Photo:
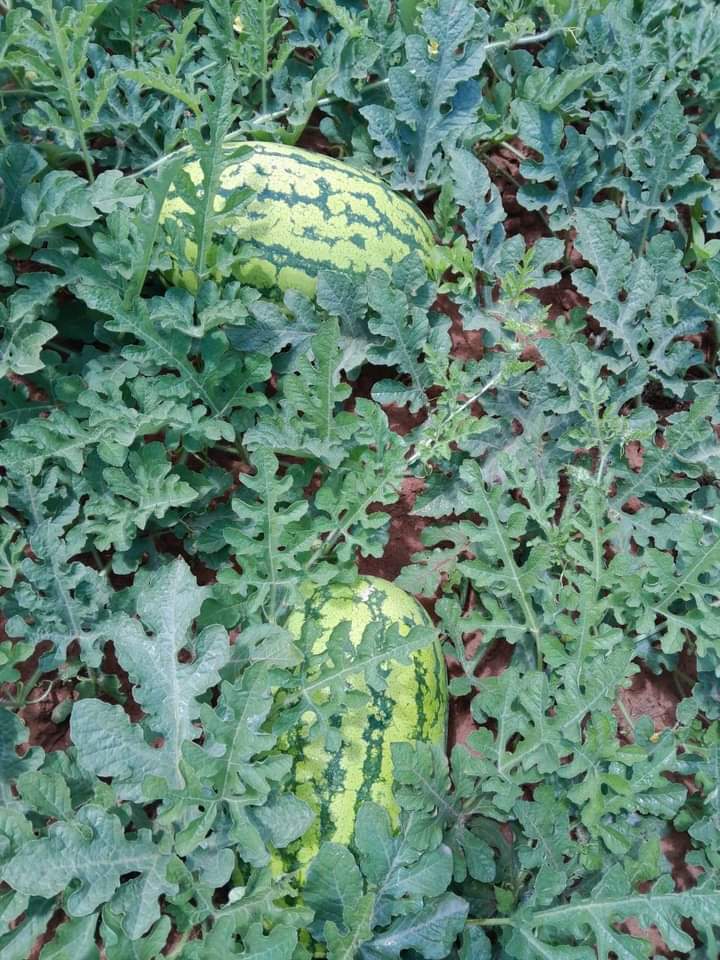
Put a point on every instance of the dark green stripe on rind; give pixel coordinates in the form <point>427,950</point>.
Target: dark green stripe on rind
<point>374,735</point>
<point>420,700</point>
<point>413,706</point>
<point>334,781</point>
<point>322,162</point>
<point>309,212</point>
<point>253,212</point>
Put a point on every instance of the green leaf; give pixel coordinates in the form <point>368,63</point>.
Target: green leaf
<point>664,171</point>
<point>401,873</point>
<point>159,80</point>
<point>349,497</point>
<point>277,944</point>
<point>407,331</point>
<point>269,539</point>
<point>343,946</point>
<point>55,49</point>
<point>435,95</point>
<point>19,166</point>
<point>333,886</point>
<point>13,733</point>
<point>483,213</point>
<point>110,745</point>
<point>620,289</point>
<point>505,524</point>
<point>309,420</point>
<point>233,778</point>
<point>266,899</point>
<point>432,931</point>
<point>549,88</point>
<point>18,943</point>
<point>92,850</point>
<point>422,787</point>
<point>569,160</point>
<point>145,489</point>
<point>260,27</point>
<point>24,336</point>
<point>270,329</point>
<point>118,946</point>
<point>613,900</point>
<point>73,940</point>
<point>167,601</point>
<point>56,598</point>
<point>46,793</point>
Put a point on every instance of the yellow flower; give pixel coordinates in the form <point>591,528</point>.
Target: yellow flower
<point>238,25</point>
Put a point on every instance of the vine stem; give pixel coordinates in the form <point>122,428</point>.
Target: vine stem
<point>27,686</point>
<point>239,135</point>
<point>527,40</point>
<point>521,156</point>
<point>492,922</point>
<point>476,396</point>
<point>73,103</point>
<point>626,716</point>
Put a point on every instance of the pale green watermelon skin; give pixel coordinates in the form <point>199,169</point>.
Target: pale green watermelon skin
<point>414,706</point>
<point>308,212</point>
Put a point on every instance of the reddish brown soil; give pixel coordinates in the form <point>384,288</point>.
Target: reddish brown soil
<point>404,534</point>
<point>652,695</point>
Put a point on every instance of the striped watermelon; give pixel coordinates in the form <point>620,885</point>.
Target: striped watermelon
<point>308,211</point>
<point>413,706</point>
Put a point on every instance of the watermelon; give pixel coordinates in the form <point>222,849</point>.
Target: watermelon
<point>413,706</point>
<point>308,212</point>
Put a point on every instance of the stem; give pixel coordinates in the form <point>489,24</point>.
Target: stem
<point>646,228</point>
<point>132,25</point>
<point>508,146</point>
<point>69,82</point>
<point>526,40</point>
<point>492,922</point>
<point>27,686</point>
<point>43,696</point>
<point>502,171</point>
<point>626,716</point>
<point>31,682</point>
<point>266,60</point>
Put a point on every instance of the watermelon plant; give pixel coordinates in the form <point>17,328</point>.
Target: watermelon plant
<point>359,471</point>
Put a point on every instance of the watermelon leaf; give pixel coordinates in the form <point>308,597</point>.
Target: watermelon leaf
<point>434,95</point>
<point>167,602</point>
